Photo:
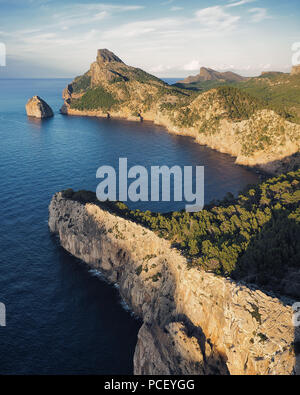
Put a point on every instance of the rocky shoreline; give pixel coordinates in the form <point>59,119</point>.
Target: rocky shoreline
<point>225,142</point>
<point>223,119</point>
<point>193,321</point>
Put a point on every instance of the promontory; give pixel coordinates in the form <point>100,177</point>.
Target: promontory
<point>259,132</point>
<point>215,289</point>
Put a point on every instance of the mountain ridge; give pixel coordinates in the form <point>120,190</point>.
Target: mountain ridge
<point>224,118</point>
<point>208,74</point>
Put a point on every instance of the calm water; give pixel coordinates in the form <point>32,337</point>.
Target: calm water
<point>61,318</point>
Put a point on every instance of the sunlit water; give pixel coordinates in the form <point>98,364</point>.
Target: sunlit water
<point>61,318</point>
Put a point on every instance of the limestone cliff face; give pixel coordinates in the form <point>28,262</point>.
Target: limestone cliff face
<point>296,70</point>
<point>264,139</point>
<point>38,108</point>
<point>194,322</point>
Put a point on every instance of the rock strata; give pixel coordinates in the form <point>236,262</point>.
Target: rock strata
<point>38,108</point>
<point>193,322</point>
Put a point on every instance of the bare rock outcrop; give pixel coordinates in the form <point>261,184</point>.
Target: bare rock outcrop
<point>38,108</point>
<point>295,70</point>
<point>106,56</point>
<point>194,322</point>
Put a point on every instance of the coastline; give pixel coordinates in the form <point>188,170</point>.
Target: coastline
<point>175,302</point>
<point>283,164</point>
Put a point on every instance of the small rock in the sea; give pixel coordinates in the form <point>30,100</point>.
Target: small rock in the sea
<point>38,108</point>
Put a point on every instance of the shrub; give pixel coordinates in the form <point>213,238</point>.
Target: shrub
<point>93,99</point>
<point>81,83</point>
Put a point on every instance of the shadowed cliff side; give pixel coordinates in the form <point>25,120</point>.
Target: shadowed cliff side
<point>194,321</point>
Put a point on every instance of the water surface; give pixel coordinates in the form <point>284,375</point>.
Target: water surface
<point>61,318</point>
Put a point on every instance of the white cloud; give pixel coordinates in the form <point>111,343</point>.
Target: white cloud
<point>81,19</point>
<point>265,66</point>
<point>192,66</point>
<point>83,14</point>
<point>167,2</point>
<point>176,9</point>
<point>234,3</point>
<point>72,34</point>
<point>160,68</point>
<point>217,18</point>
<point>137,29</point>
<point>259,14</point>
<point>209,21</point>
<point>106,7</point>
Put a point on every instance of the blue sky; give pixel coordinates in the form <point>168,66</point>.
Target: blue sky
<point>169,38</point>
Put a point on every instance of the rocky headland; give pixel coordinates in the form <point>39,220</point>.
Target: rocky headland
<point>223,118</point>
<point>38,108</point>
<point>194,322</point>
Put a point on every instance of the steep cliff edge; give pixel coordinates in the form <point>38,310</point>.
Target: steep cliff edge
<point>194,322</point>
<point>225,119</point>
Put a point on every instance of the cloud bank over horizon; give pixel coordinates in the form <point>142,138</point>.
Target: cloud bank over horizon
<point>171,38</point>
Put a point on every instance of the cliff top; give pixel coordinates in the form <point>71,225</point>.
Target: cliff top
<point>199,233</point>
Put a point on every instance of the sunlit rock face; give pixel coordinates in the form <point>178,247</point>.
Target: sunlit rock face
<point>193,322</point>
<point>38,108</point>
<point>296,70</point>
<point>223,118</point>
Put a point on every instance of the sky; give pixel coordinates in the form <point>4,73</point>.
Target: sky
<point>168,38</point>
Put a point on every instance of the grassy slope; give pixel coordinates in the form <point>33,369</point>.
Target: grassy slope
<point>278,91</point>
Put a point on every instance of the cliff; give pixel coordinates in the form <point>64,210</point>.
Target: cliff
<point>225,119</point>
<point>193,322</point>
<point>38,108</point>
<point>295,70</point>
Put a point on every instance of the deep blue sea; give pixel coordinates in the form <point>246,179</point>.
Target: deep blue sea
<point>61,317</point>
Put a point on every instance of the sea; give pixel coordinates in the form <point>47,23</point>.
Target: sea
<point>62,317</point>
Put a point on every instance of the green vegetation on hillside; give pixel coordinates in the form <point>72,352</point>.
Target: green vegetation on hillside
<point>139,75</point>
<point>93,99</point>
<point>255,237</point>
<point>202,86</point>
<point>277,91</point>
<point>81,83</point>
<point>240,105</point>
